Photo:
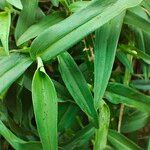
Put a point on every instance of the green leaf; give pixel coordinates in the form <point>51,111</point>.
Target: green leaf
<point>121,142</point>
<point>77,86</point>
<point>141,84</point>
<point>68,117</point>
<point>16,3</point>
<point>39,27</point>
<point>76,6</point>
<point>101,133</point>
<point>136,53</point>
<point>124,60</point>
<point>105,49</point>
<point>135,121</point>
<point>3,4</point>
<point>80,138</point>
<point>45,107</point>
<point>137,17</point>
<point>16,142</point>
<point>12,67</point>
<point>119,93</point>
<point>68,32</point>
<point>55,2</point>
<point>26,17</point>
<point>5,19</point>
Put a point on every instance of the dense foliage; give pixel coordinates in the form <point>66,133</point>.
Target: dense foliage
<point>74,74</point>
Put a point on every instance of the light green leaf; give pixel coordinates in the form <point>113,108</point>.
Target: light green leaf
<point>16,3</point>
<point>138,18</point>
<point>55,2</point>
<point>119,93</point>
<point>105,49</point>
<point>77,86</point>
<point>5,19</point>
<point>45,107</point>
<point>101,133</point>
<point>26,17</point>
<point>12,67</point>
<point>120,142</point>
<point>39,27</point>
<point>68,32</point>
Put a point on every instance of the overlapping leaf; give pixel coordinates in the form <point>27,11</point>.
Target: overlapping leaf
<point>26,17</point>
<point>12,67</point>
<point>65,34</point>
<point>119,93</point>
<point>105,49</point>
<point>77,86</point>
<point>39,27</point>
<point>5,19</point>
<point>16,3</point>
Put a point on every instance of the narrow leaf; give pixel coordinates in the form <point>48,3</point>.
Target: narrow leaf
<point>5,19</point>
<point>16,142</point>
<point>121,142</point>
<point>26,17</point>
<point>39,27</point>
<point>45,107</point>
<point>47,45</point>
<point>119,93</point>
<point>105,49</point>
<point>77,86</point>
<point>12,67</point>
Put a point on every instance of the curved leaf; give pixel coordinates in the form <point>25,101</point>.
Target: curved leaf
<point>12,67</point>
<point>45,108</point>
<point>77,86</point>
<point>65,34</point>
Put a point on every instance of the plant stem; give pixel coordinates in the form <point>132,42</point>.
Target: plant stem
<point>127,78</point>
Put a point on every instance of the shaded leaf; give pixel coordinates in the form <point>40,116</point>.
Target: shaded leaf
<point>77,86</point>
<point>121,142</point>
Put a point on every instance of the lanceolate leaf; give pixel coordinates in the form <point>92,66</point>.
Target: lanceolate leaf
<point>138,18</point>
<point>119,93</point>
<point>12,67</point>
<point>101,133</point>
<point>121,142</point>
<point>135,121</point>
<point>80,138</point>
<point>68,32</point>
<point>105,48</point>
<point>26,17</point>
<point>39,27</point>
<point>5,19</point>
<point>141,84</point>
<point>77,86</point>
<point>45,107</point>
<point>16,3</point>
<point>16,142</point>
